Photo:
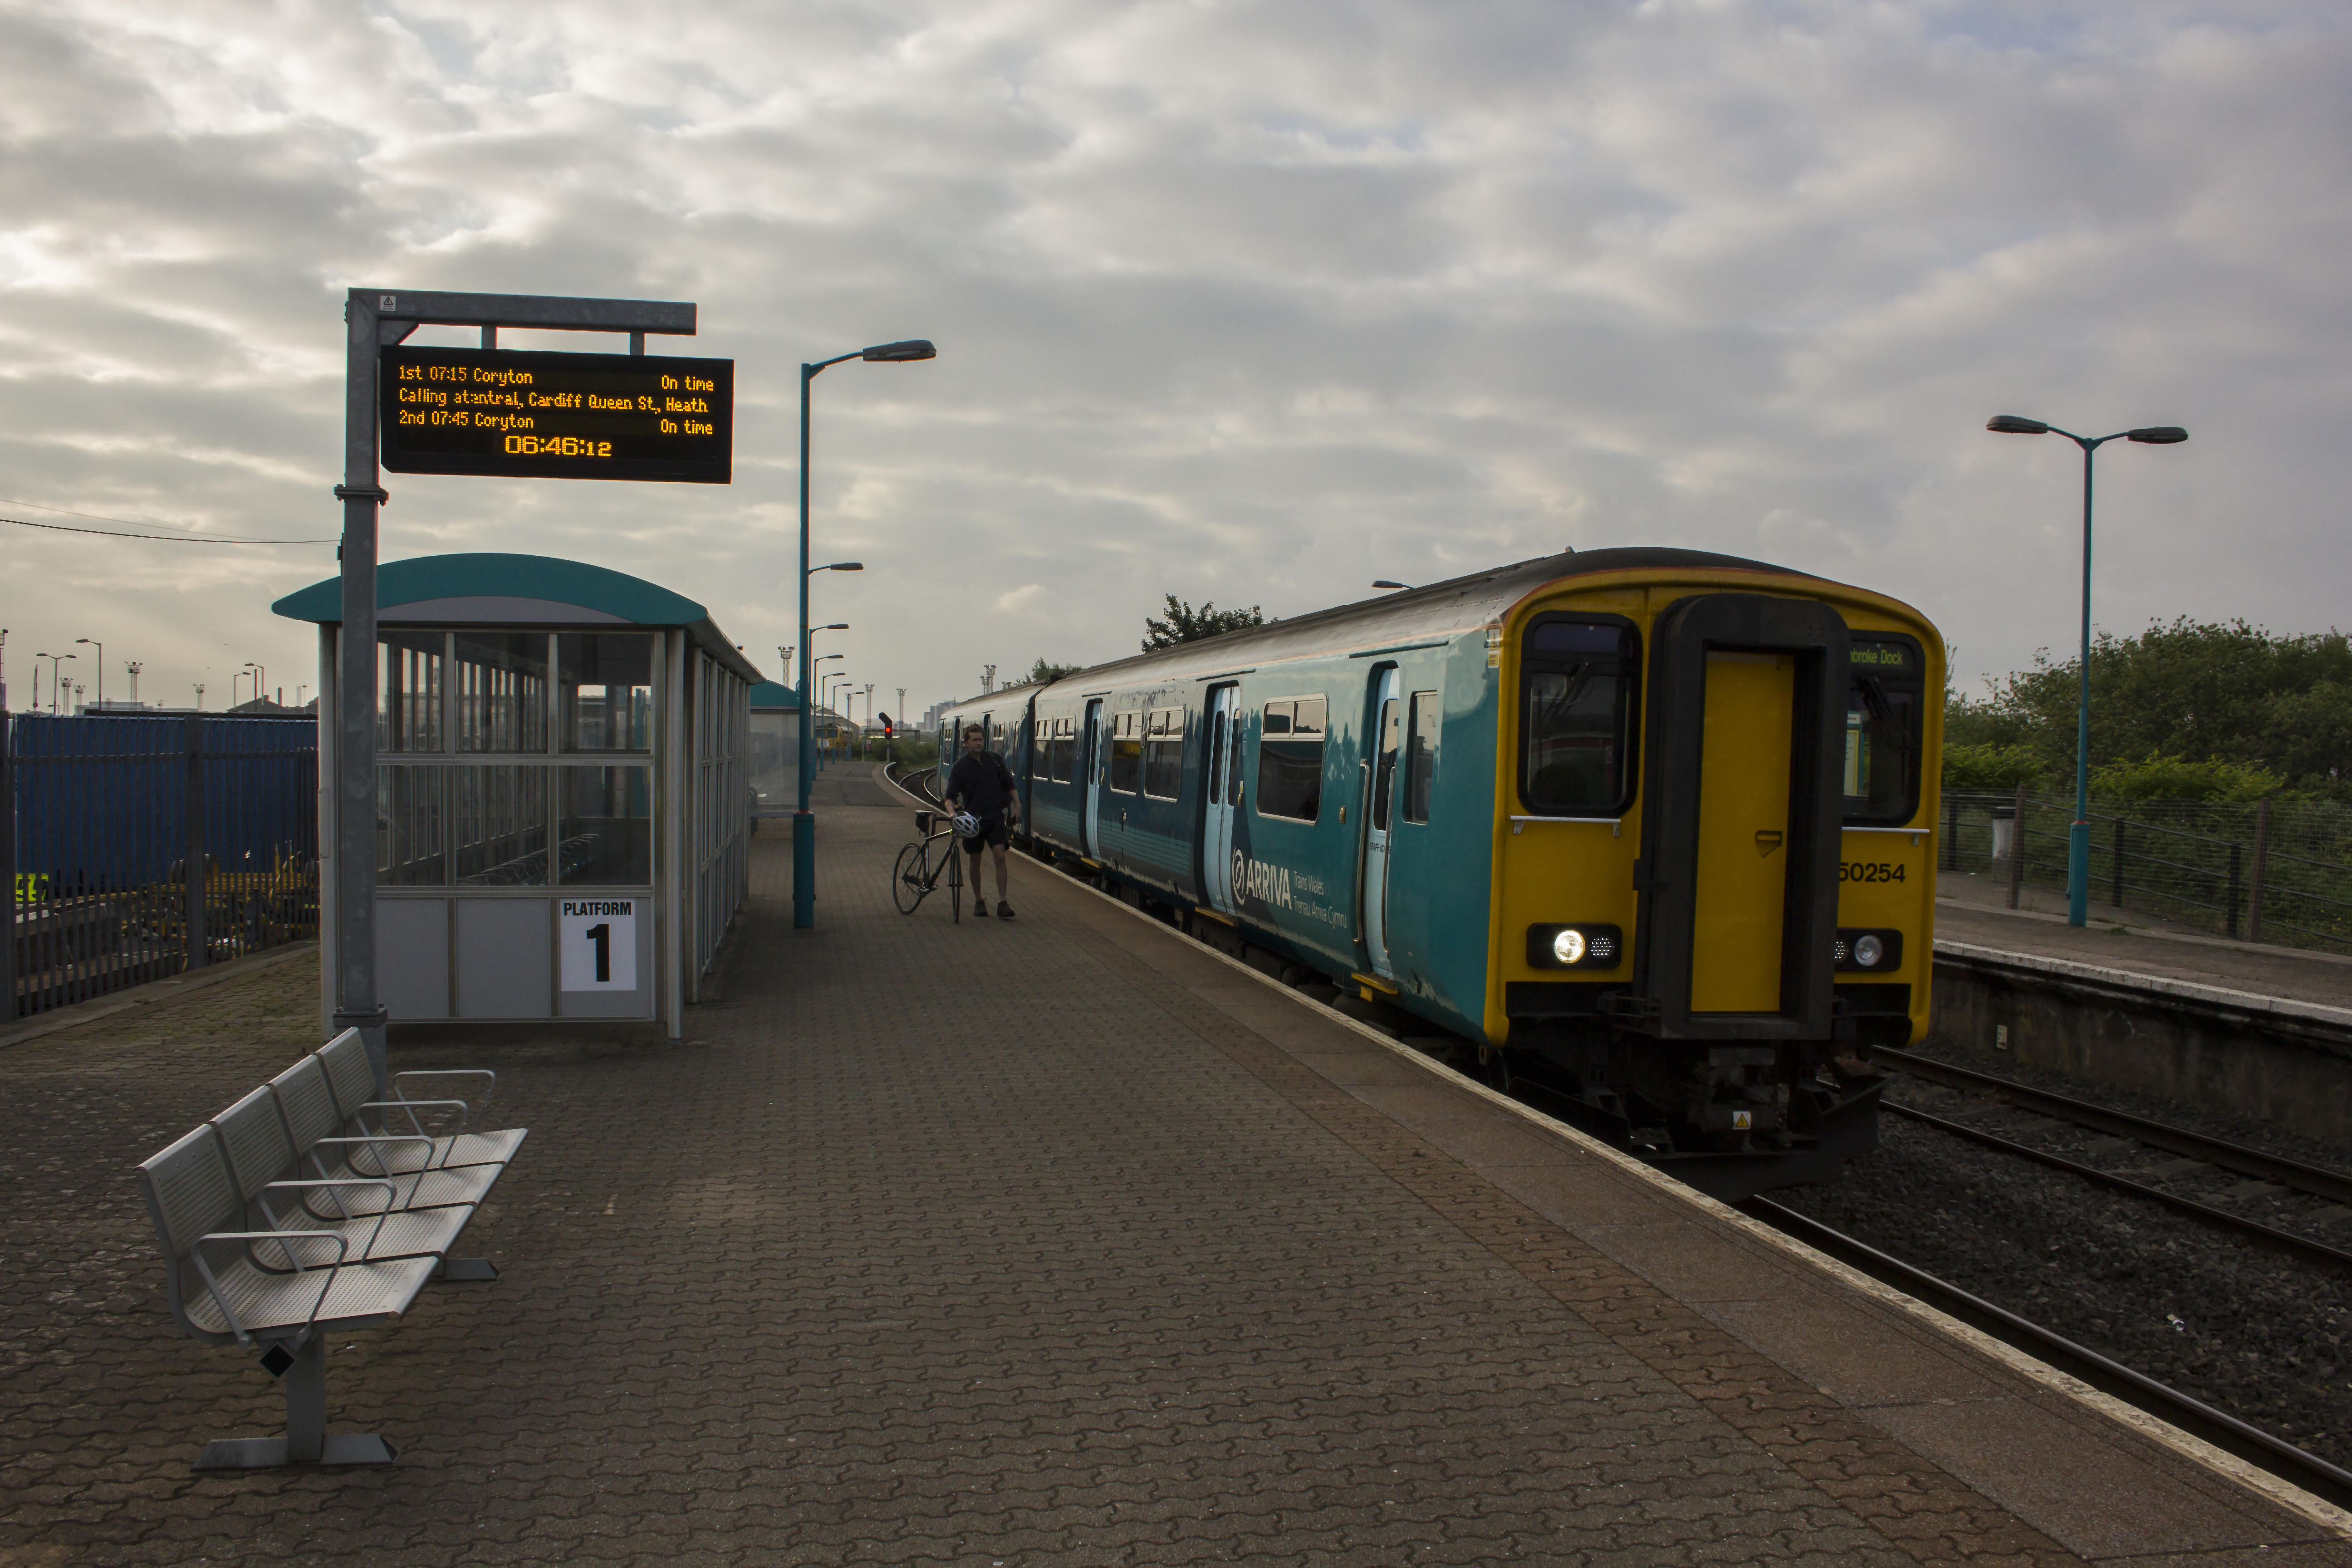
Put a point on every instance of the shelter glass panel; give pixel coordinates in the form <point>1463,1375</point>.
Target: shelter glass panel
<point>605,834</point>
<point>408,691</point>
<point>501,681</point>
<point>412,847</point>
<point>1576,689</point>
<point>501,815</point>
<point>606,681</point>
<point>1290,758</point>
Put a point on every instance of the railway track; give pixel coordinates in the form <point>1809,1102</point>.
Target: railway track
<point>2222,1430</point>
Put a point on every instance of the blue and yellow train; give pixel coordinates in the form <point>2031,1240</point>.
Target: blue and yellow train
<point>1651,829</point>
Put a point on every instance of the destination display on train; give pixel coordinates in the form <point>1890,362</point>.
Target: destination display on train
<point>525,413</point>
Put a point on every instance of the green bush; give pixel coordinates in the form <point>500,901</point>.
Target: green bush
<point>1989,767</point>
<point>2157,777</point>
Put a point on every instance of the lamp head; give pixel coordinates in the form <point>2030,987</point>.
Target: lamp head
<point>836,627</point>
<point>1384,582</point>
<point>846,566</point>
<point>2158,434</point>
<point>898,354</point>
<point>82,640</point>
<point>2011,425</point>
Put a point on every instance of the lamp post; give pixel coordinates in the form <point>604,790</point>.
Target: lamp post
<point>257,674</point>
<point>803,821</point>
<point>820,698</point>
<point>2078,838</point>
<point>93,642</point>
<point>56,677</point>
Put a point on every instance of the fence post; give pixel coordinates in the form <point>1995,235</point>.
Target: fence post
<point>194,919</point>
<point>2232,902</point>
<point>2017,850</point>
<point>2261,863</point>
<point>8,870</point>
<point>2118,899</point>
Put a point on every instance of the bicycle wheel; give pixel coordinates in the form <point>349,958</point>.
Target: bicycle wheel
<point>907,880</point>
<point>955,882</point>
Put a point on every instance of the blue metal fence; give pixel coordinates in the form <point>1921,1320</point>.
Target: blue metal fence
<point>139,848</point>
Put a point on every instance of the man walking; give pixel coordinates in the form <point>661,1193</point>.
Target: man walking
<point>980,783</point>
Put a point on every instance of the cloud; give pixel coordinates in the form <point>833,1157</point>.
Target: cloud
<point>1247,301</point>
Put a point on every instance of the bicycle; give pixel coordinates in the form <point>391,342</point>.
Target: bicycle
<point>916,874</point>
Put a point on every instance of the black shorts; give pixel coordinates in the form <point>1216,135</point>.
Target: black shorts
<point>992,830</point>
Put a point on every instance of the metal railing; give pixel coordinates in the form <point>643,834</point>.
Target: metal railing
<point>136,849</point>
<point>2276,871</point>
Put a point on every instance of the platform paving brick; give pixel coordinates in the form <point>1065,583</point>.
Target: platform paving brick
<point>989,1243</point>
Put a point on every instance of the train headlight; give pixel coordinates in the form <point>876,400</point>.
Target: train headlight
<point>1874,950</point>
<point>1574,947</point>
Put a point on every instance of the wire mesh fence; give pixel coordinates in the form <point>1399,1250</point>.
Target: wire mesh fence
<point>136,849</point>
<point>2274,871</point>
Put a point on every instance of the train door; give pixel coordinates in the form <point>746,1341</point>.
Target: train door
<point>1090,768</point>
<point>1385,736</point>
<point>1222,775</point>
<point>1741,896</point>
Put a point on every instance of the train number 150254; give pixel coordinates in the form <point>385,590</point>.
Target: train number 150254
<point>1869,871</point>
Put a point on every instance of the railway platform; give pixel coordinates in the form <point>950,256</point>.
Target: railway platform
<point>1059,1240</point>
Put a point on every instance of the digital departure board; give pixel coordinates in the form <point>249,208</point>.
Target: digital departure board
<point>520,414</point>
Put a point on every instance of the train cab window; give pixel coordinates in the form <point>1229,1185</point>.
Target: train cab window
<point>1882,732</point>
<point>1125,752</point>
<point>1419,755</point>
<point>1578,679</point>
<point>1290,758</point>
<point>1163,753</point>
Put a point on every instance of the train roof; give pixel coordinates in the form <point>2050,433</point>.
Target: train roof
<point>1447,609</point>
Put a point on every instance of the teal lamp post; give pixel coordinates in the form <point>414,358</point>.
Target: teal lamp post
<point>804,820</point>
<point>2078,838</point>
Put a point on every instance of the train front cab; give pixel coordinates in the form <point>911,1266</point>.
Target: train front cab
<point>1714,865</point>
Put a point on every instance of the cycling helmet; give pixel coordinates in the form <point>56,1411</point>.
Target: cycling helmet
<point>966,825</point>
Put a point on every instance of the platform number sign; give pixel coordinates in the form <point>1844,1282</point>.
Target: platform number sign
<point>597,941</point>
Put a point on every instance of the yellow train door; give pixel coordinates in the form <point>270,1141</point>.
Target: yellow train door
<point>1740,895</point>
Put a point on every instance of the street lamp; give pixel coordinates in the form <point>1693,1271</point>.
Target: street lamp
<point>808,730</point>
<point>803,821</point>
<point>2078,838</point>
<point>56,675</point>
<point>1384,582</point>
<point>93,642</point>
<point>258,671</point>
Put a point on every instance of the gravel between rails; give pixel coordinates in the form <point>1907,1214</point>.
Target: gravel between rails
<point>2243,1329</point>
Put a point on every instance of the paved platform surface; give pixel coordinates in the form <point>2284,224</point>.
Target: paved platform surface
<point>1058,1240</point>
<point>1973,909</point>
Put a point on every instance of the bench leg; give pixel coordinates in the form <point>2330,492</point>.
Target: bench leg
<point>305,1441</point>
<point>472,1270</point>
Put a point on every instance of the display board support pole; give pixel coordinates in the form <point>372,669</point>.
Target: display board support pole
<point>9,1003</point>
<point>356,1005</point>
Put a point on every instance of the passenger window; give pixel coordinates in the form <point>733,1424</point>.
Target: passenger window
<point>1578,684</point>
<point>1419,755</point>
<point>1384,766</point>
<point>1064,752</point>
<point>1126,753</point>
<point>1882,732</point>
<point>1163,753</point>
<point>1290,758</point>
<point>1217,758</point>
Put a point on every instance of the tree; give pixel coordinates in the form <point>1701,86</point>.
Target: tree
<point>1044,671</point>
<point>1184,624</point>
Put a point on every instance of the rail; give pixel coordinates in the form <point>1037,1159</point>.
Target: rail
<point>2225,1431</point>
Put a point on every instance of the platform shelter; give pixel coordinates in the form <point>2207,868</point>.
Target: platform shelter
<point>563,792</point>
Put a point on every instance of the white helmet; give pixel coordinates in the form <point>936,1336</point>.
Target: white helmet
<point>966,825</point>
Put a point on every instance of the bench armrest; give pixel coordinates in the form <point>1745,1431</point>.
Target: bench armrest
<point>464,1111</point>
<point>400,1078</point>
<point>391,1198</point>
<point>377,1141</point>
<point>220,1298</point>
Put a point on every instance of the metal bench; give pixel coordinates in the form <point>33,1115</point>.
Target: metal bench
<point>306,1208</point>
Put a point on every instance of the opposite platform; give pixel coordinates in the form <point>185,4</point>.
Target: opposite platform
<point>1052,1240</point>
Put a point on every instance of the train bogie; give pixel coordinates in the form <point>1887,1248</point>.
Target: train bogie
<point>1650,830</point>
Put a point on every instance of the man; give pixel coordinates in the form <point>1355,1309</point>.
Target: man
<point>980,783</point>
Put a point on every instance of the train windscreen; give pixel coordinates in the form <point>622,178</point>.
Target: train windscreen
<point>1578,682</point>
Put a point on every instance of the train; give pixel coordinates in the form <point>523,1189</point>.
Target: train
<point>1649,831</point>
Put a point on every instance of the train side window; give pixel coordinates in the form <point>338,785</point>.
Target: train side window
<point>1163,753</point>
<point>1127,751</point>
<point>1061,752</point>
<point>1578,679</point>
<point>1882,732</point>
<point>1419,755</point>
<point>1290,758</point>
<point>1216,758</point>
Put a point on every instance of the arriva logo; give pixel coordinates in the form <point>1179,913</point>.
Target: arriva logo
<point>1256,879</point>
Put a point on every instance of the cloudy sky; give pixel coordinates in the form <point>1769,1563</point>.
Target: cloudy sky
<point>1249,301</point>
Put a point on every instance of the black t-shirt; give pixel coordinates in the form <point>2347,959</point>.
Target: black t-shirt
<point>982,783</point>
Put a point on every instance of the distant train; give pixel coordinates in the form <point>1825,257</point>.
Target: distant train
<point>1652,829</point>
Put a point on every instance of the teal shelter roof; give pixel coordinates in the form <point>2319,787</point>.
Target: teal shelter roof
<point>771,695</point>
<point>489,588</point>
